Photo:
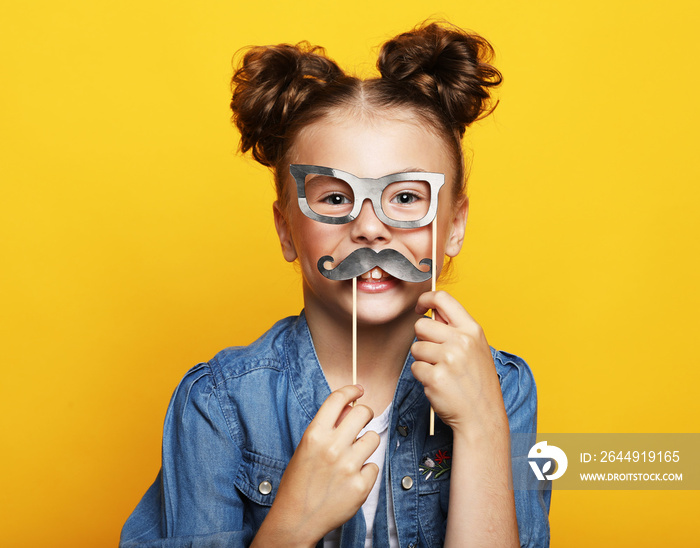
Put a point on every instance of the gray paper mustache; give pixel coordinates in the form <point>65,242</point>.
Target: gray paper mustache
<point>365,259</point>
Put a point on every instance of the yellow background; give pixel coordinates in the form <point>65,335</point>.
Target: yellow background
<point>135,242</point>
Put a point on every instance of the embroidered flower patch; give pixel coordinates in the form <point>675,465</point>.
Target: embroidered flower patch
<point>436,466</point>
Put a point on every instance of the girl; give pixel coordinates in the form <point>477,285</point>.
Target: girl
<point>264,445</point>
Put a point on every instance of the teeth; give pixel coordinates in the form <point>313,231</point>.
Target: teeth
<point>376,274</point>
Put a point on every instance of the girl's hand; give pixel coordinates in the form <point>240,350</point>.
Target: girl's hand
<point>455,366</point>
<point>327,480</point>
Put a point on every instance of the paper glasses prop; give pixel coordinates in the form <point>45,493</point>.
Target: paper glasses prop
<point>336,197</point>
<point>400,200</point>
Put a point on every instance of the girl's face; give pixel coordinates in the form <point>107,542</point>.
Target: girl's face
<point>367,148</point>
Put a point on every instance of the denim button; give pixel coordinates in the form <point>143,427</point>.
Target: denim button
<point>403,430</point>
<point>265,487</point>
<point>407,482</point>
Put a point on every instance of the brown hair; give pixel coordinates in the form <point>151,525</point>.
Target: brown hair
<point>437,71</point>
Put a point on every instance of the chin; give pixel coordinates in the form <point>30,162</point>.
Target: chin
<point>383,313</point>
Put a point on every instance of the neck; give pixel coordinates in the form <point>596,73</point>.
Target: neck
<point>381,352</point>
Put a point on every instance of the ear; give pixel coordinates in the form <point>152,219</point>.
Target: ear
<point>285,234</point>
<point>459,225</point>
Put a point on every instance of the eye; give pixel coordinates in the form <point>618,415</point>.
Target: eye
<point>336,199</point>
<point>405,198</point>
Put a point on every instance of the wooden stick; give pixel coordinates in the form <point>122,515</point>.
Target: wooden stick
<point>434,285</point>
<point>354,331</point>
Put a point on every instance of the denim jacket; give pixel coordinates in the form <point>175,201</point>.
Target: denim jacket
<point>233,425</point>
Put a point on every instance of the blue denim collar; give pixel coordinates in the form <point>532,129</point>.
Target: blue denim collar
<point>306,376</point>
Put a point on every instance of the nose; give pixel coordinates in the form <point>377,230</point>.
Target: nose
<point>367,228</point>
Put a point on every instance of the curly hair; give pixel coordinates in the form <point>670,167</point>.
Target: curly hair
<point>437,71</point>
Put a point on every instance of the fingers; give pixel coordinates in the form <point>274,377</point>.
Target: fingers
<point>448,308</point>
<point>355,420</point>
<point>369,472</point>
<point>337,425</point>
<point>444,352</point>
<point>343,413</point>
<point>363,448</point>
<point>427,352</point>
<point>430,330</point>
<point>453,351</point>
<point>460,330</point>
<point>334,408</point>
<point>424,373</point>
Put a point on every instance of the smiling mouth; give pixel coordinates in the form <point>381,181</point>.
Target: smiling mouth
<point>376,280</point>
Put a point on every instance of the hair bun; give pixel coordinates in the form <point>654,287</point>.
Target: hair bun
<point>271,85</point>
<point>447,65</point>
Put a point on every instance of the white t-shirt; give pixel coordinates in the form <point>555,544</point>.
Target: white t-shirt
<point>380,425</point>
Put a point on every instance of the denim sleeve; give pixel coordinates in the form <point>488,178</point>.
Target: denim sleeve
<point>193,502</point>
<point>520,399</point>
